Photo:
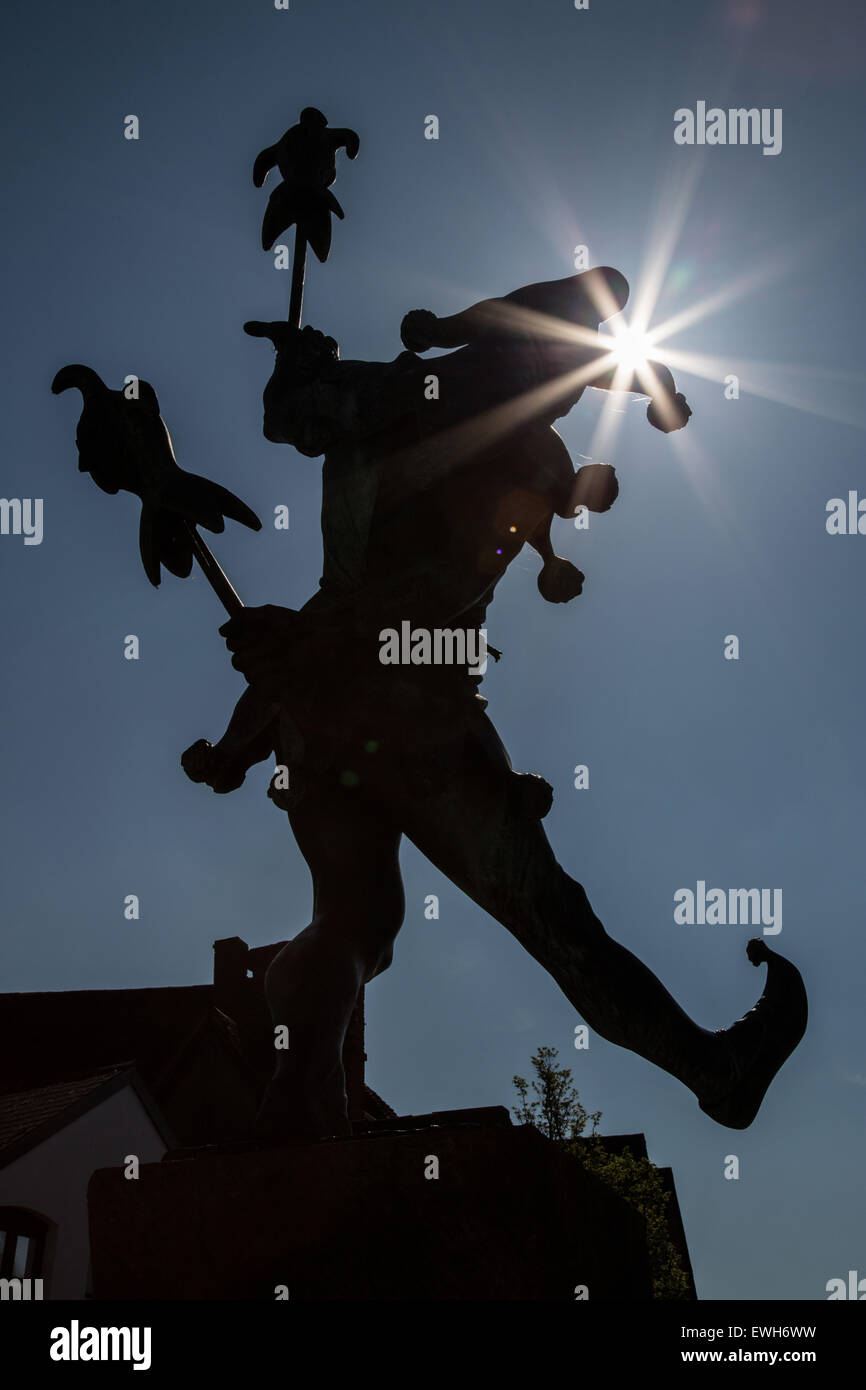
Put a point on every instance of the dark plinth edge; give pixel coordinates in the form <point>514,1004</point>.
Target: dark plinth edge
<point>490,1116</point>
<point>448,1211</point>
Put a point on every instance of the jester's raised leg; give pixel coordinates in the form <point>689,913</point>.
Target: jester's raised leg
<point>485,839</point>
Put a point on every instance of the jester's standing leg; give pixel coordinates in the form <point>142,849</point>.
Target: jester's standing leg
<point>351,847</point>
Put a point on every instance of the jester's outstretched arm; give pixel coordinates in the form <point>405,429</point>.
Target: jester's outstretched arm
<point>546,309</point>
<point>559,320</point>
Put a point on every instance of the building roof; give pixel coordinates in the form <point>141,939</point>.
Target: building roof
<point>204,1052</point>
<point>27,1118</point>
<point>66,1034</point>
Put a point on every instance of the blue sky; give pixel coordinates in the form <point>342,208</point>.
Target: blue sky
<point>556,128</point>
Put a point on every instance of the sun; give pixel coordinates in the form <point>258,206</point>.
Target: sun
<point>631,348</point>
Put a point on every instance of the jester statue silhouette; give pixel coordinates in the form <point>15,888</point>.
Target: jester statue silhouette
<point>436,474</point>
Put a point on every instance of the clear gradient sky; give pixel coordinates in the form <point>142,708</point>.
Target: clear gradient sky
<point>556,128</point>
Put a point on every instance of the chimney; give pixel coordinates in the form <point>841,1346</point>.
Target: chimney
<point>230,974</point>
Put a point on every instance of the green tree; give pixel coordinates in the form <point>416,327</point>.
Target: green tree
<point>555,1110</point>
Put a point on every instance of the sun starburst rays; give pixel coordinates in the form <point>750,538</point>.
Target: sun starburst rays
<point>633,355</point>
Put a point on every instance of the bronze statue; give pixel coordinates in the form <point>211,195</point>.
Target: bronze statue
<point>425,503</point>
<point>436,473</point>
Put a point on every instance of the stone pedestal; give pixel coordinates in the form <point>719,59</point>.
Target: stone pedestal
<point>509,1216</point>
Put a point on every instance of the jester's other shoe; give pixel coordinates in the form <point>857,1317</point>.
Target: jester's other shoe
<point>757,1045</point>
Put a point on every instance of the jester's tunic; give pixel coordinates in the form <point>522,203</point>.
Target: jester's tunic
<point>346,706</point>
<point>427,496</point>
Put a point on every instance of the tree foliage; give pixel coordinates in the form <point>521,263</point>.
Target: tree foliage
<point>555,1109</point>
